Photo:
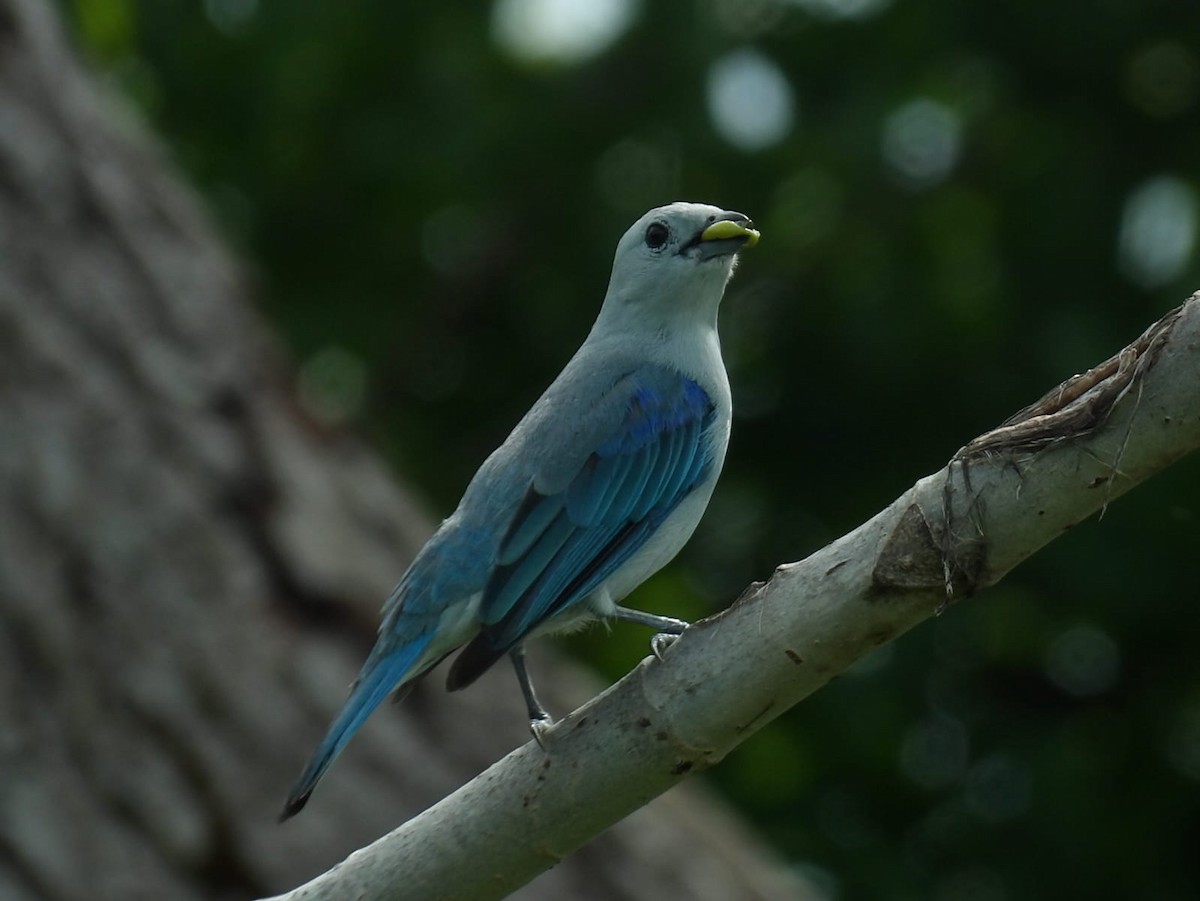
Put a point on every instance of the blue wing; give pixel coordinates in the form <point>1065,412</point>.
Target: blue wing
<point>560,547</point>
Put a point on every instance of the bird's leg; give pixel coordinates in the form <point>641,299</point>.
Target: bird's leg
<point>664,624</point>
<point>539,720</point>
<point>668,628</point>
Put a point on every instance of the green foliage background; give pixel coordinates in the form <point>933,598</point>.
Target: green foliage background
<point>432,223</point>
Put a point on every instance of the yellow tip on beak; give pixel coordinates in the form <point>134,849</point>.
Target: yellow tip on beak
<point>727,228</point>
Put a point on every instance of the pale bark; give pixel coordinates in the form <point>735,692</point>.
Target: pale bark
<point>190,570</point>
<point>1002,497</point>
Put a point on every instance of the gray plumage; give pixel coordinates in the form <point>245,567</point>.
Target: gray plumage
<point>598,486</point>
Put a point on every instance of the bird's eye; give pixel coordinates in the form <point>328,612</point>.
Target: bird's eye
<point>656,235</point>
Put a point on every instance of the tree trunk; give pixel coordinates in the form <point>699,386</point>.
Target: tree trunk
<point>190,569</point>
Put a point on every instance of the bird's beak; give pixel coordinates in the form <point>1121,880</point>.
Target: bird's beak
<point>732,228</point>
<point>723,238</point>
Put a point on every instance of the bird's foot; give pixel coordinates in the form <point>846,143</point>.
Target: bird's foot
<point>541,727</point>
<point>660,642</point>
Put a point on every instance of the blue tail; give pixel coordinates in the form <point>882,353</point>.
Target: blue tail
<point>377,679</point>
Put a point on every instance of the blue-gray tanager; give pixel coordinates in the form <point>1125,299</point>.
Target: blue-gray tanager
<point>596,488</point>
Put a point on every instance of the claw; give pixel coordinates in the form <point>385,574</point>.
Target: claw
<point>541,728</point>
<point>660,642</point>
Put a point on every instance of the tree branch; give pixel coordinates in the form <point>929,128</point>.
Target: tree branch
<point>1001,498</point>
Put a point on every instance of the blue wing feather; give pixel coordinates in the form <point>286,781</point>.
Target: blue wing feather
<point>618,473</point>
<point>668,454</point>
<point>630,493</point>
<point>623,547</point>
<point>681,471</point>
<point>531,523</point>
<point>583,547</point>
<point>590,492</point>
<point>561,547</point>
<point>516,580</point>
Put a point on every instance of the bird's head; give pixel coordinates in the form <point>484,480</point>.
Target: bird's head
<point>676,260</point>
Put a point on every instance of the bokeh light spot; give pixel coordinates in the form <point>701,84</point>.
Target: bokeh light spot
<point>749,100</point>
<point>1163,80</point>
<point>842,9</point>
<point>231,17</point>
<point>747,19</point>
<point>1083,661</point>
<point>1158,231</point>
<point>560,31</point>
<point>921,142</point>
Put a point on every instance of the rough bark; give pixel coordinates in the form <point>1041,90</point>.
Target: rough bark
<point>190,569</point>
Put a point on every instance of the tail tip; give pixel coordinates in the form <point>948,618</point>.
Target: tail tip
<point>294,804</point>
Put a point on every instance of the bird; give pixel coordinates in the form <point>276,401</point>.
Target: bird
<point>599,485</point>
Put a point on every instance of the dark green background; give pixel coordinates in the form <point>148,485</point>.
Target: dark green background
<point>1041,741</point>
